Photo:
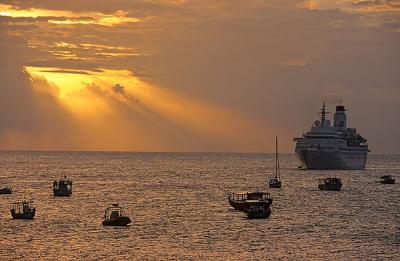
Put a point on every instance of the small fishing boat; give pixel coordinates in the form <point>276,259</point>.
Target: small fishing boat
<point>6,190</point>
<point>23,210</point>
<point>62,187</point>
<point>387,179</point>
<point>334,184</point>
<point>243,200</point>
<point>113,216</point>
<point>275,181</point>
<point>258,211</point>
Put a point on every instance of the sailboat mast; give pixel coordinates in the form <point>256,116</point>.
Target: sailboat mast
<point>276,156</point>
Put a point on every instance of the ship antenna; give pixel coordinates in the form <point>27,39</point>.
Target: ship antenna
<point>323,114</point>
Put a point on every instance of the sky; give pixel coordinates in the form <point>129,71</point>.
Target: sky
<point>209,75</point>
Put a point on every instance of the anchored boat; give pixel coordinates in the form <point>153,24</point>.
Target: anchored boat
<point>275,181</point>
<point>258,211</point>
<point>242,201</point>
<point>6,190</point>
<point>387,179</point>
<point>334,184</point>
<point>23,210</point>
<point>113,216</point>
<point>62,187</point>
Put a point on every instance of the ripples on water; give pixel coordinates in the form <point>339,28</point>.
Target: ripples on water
<point>185,214</point>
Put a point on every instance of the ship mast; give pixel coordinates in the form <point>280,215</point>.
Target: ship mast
<point>323,115</point>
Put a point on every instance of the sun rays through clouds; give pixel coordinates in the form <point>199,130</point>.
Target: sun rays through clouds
<point>192,75</point>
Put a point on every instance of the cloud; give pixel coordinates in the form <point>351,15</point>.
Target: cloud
<point>31,114</point>
<point>253,58</point>
<point>54,16</point>
<point>118,88</point>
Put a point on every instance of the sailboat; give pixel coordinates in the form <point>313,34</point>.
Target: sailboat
<point>275,181</point>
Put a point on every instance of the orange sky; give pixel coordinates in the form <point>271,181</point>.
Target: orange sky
<point>194,75</point>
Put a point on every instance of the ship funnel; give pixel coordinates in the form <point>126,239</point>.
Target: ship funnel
<point>339,119</point>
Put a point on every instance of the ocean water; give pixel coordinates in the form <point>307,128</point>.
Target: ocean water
<point>179,208</point>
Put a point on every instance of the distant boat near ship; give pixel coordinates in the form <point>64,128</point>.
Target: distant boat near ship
<point>275,181</point>
<point>62,187</point>
<point>334,184</point>
<point>332,147</point>
<point>387,179</point>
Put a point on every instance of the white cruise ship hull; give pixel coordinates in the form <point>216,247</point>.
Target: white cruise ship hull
<point>347,159</point>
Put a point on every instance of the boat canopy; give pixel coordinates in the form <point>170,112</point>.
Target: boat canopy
<point>114,211</point>
<point>256,195</point>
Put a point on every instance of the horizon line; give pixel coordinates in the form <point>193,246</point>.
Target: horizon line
<point>195,152</point>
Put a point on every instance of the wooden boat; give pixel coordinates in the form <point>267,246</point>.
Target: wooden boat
<point>23,210</point>
<point>242,201</point>
<point>113,216</point>
<point>62,187</point>
<point>275,181</point>
<point>387,179</point>
<point>258,211</point>
<point>334,184</point>
<point>6,190</point>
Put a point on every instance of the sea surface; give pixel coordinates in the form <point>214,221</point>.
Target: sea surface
<point>179,208</point>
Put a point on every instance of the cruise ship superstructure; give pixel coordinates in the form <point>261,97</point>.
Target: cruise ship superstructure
<point>332,147</point>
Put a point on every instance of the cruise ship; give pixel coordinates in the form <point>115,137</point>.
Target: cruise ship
<point>332,147</point>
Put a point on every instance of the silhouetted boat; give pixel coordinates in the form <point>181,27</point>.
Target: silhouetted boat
<point>275,181</point>
<point>387,179</point>
<point>258,211</point>
<point>23,210</point>
<point>113,216</point>
<point>6,190</point>
<point>242,201</point>
<point>62,187</point>
<point>334,184</point>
